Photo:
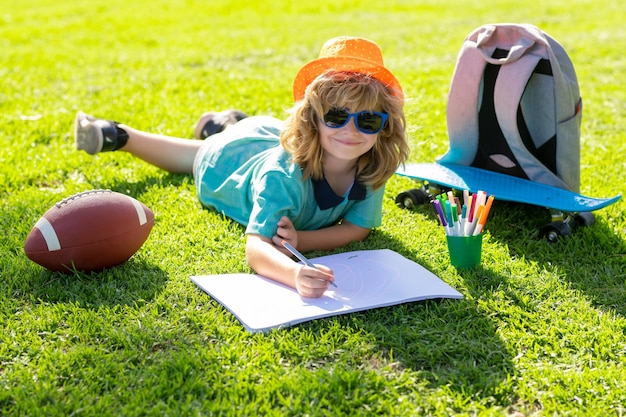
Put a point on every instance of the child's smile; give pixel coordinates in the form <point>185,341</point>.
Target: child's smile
<point>346,142</point>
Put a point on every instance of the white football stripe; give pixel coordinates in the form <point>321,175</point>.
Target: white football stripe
<point>48,233</point>
<point>140,213</point>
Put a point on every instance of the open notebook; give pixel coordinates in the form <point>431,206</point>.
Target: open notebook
<point>365,279</point>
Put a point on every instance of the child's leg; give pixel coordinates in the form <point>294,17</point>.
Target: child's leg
<point>172,154</point>
<point>97,135</point>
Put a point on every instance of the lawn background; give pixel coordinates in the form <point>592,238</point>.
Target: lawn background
<point>541,328</point>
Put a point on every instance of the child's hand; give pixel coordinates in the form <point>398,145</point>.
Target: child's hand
<point>287,232</point>
<point>313,282</point>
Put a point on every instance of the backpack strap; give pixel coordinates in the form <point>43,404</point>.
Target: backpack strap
<point>509,88</point>
<point>462,106</point>
<point>569,115</point>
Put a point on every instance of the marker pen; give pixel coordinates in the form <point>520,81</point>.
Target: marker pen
<point>300,256</point>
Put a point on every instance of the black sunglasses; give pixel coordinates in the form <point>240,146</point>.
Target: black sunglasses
<point>368,122</point>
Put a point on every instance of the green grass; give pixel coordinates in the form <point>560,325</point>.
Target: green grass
<point>541,328</point>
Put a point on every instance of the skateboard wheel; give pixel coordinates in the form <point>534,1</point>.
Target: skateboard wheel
<point>411,198</point>
<point>585,218</point>
<point>554,231</point>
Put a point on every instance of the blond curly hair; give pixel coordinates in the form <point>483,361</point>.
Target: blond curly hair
<point>354,91</point>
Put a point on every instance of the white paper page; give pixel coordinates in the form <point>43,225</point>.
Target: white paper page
<point>365,279</point>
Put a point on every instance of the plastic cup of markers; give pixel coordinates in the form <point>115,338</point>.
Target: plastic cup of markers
<point>465,251</point>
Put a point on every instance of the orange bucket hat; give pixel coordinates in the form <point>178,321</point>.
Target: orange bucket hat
<point>347,54</point>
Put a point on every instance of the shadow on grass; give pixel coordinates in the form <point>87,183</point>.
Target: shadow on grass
<point>453,343</point>
<point>592,259</point>
<point>132,283</point>
<point>450,343</point>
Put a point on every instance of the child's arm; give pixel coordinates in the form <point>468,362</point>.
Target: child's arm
<point>328,238</point>
<point>268,260</point>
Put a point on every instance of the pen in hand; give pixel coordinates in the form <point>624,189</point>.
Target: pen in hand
<point>300,256</point>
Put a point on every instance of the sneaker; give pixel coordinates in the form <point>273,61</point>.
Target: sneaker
<point>211,123</point>
<point>96,135</point>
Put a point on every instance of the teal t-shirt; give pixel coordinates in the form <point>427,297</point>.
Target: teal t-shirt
<point>248,176</point>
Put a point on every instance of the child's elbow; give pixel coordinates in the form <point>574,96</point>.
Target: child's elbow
<point>362,234</point>
<point>355,233</point>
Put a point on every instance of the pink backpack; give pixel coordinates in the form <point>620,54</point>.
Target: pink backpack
<point>514,106</point>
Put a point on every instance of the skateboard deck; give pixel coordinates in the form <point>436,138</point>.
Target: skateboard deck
<point>504,187</point>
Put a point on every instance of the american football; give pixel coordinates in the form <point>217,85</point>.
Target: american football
<point>89,231</point>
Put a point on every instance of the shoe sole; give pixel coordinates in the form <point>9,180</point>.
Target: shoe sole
<point>197,134</point>
<point>87,136</point>
<point>224,119</point>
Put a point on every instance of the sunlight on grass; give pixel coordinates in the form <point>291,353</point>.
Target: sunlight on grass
<point>541,328</point>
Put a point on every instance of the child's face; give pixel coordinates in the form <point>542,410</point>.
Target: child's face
<point>345,143</point>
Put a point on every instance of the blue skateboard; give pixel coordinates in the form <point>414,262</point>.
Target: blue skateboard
<point>564,205</point>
